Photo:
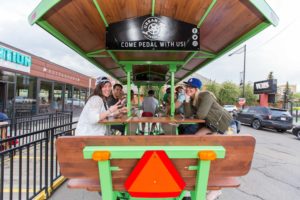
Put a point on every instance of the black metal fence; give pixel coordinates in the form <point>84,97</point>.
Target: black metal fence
<point>32,123</point>
<point>29,168</point>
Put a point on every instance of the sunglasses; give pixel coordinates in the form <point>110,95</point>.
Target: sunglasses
<point>102,80</point>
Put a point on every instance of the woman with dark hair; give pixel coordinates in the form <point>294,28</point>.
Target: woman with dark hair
<point>96,109</point>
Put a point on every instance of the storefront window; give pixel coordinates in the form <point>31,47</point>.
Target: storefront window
<point>10,99</point>
<point>83,96</point>
<point>77,103</point>
<point>68,98</point>
<point>57,104</point>
<point>25,100</point>
<point>6,76</point>
<point>76,98</point>
<point>45,97</point>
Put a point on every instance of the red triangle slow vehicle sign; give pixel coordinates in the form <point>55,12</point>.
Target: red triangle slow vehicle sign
<point>154,176</point>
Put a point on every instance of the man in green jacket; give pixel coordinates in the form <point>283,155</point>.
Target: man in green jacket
<point>203,105</point>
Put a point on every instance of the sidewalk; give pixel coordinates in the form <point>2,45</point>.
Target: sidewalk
<point>63,192</point>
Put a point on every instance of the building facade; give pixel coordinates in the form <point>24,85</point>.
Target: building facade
<point>30,84</point>
<point>281,89</point>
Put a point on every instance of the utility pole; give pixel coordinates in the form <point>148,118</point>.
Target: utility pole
<point>244,76</point>
<point>244,50</point>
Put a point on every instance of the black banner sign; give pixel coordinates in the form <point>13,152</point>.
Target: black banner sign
<point>152,33</point>
<point>267,86</point>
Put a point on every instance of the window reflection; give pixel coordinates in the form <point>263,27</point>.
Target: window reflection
<point>45,97</point>
<point>25,99</point>
<point>57,103</point>
<point>68,98</point>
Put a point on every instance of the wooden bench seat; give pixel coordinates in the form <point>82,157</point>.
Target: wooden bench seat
<point>213,184</point>
<point>83,173</point>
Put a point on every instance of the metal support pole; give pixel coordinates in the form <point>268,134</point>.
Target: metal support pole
<point>105,179</point>
<point>173,69</point>
<point>244,73</point>
<point>159,97</point>
<point>139,103</point>
<point>128,69</point>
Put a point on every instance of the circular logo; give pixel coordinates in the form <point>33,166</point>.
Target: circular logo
<point>151,28</point>
<point>195,43</point>
<point>195,37</point>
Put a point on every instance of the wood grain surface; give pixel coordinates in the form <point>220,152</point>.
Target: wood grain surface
<point>237,162</point>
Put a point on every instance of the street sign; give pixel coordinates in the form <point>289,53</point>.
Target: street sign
<point>242,101</point>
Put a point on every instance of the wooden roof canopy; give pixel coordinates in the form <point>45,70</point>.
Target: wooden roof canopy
<point>223,25</point>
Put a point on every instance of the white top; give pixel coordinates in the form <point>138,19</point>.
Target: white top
<point>88,123</point>
<point>150,104</point>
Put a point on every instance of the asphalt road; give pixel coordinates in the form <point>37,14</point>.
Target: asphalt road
<point>275,173</point>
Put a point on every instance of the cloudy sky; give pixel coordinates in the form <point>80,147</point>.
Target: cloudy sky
<point>275,49</point>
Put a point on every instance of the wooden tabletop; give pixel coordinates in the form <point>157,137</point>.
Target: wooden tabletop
<point>125,119</point>
<point>152,120</point>
<point>176,119</point>
<point>121,120</point>
<point>181,120</point>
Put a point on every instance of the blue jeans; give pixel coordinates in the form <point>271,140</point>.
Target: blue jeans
<point>188,129</point>
<point>233,126</point>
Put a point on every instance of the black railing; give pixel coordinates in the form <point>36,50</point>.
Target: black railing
<point>29,169</point>
<point>23,125</point>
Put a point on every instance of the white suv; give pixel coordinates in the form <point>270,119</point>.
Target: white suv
<point>230,108</point>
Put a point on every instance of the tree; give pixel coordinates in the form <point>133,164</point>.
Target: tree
<point>286,94</point>
<point>228,93</point>
<point>270,76</point>
<point>296,96</point>
<point>214,88</point>
<point>251,98</point>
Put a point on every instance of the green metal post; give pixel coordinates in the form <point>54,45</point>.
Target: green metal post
<point>173,69</point>
<point>100,13</point>
<point>139,103</point>
<point>153,8</point>
<point>93,53</point>
<point>159,89</point>
<point>105,180</point>
<point>201,182</point>
<point>128,69</point>
<point>213,2</point>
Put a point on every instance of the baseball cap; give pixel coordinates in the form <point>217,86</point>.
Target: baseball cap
<point>102,79</point>
<point>194,82</point>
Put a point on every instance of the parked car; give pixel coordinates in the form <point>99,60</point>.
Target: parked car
<point>230,108</point>
<point>76,102</point>
<point>259,117</point>
<point>296,131</point>
<point>21,99</point>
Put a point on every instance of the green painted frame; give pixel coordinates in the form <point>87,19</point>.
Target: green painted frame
<point>46,5</point>
<point>42,8</point>
<point>239,41</point>
<point>174,66</point>
<point>136,152</point>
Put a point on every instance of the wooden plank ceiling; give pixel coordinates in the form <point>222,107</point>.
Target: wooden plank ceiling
<point>80,22</point>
